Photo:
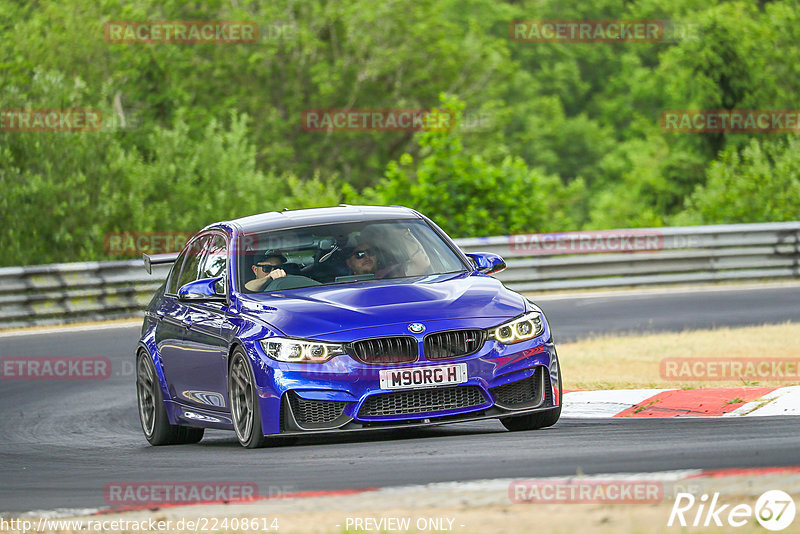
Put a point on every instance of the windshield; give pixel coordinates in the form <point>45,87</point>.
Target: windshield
<point>342,253</point>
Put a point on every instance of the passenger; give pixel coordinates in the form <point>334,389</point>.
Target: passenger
<point>402,252</point>
<point>266,270</point>
<point>416,261</point>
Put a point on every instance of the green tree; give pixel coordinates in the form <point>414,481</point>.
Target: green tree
<point>468,195</point>
<point>762,183</point>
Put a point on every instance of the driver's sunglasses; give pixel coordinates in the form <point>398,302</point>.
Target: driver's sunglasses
<point>268,268</point>
<point>359,254</point>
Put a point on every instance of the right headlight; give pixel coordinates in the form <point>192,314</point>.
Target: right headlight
<point>522,328</point>
<point>300,350</point>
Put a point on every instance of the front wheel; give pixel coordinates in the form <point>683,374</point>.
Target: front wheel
<point>243,398</point>
<point>538,420</point>
<point>153,414</point>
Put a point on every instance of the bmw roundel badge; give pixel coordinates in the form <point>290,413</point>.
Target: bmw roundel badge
<point>416,328</point>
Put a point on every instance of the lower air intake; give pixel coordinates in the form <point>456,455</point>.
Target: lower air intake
<point>421,401</point>
<point>526,393</point>
<point>314,412</point>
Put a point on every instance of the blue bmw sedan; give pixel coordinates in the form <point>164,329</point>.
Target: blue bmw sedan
<point>341,319</point>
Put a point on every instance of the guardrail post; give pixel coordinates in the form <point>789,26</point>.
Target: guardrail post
<point>797,252</point>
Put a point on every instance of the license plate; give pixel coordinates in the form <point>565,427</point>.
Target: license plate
<point>421,377</point>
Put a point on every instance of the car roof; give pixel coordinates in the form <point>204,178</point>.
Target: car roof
<point>277,220</point>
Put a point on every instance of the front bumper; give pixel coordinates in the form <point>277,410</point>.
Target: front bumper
<point>345,395</point>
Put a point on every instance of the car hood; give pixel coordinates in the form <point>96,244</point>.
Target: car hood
<point>315,311</point>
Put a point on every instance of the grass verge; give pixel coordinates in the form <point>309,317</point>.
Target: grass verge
<point>619,362</point>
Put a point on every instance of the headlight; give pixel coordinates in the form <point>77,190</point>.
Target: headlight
<point>525,327</point>
<point>298,350</point>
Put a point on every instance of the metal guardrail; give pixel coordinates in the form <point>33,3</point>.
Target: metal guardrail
<point>688,254</point>
<point>69,292</point>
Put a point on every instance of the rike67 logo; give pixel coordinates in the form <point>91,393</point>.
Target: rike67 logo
<point>774,510</point>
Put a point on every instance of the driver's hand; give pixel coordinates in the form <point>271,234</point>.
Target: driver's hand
<point>276,273</point>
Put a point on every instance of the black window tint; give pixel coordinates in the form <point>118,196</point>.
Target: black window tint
<point>190,270</point>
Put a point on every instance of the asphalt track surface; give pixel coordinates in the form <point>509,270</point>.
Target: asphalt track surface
<point>61,442</point>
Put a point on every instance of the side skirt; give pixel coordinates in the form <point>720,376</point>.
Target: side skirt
<point>181,414</point>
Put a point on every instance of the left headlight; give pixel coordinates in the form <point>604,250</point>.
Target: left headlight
<point>522,328</point>
<point>299,350</point>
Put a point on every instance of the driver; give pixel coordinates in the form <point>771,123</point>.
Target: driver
<point>361,259</point>
<point>266,270</point>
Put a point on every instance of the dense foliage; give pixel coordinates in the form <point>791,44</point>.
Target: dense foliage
<point>552,136</point>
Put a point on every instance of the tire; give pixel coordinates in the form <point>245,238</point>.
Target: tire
<point>538,420</point>
<point>243,400</point>
<point>152,413</point>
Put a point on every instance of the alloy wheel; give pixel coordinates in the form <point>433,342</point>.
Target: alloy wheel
<point>145,384</point>
<point>242,399</point>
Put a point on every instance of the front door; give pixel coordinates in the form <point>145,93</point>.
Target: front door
<point>199,369</point>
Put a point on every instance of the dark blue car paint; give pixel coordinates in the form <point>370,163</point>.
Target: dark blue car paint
<point>190,342</point>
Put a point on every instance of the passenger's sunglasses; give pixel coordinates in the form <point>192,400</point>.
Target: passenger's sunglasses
<point>359,254</point>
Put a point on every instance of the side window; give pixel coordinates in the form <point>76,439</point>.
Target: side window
<point>215,260</point>
<point>190,269</point>
<point>172,284</point>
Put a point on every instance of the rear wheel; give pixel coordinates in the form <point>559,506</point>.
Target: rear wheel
<point>245,411</point>
<point>153,414</point>
<point>538,420</point>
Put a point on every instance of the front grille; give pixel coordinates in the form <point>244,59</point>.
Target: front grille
<point>453,344</point>
<point>400,349</point>
<point>520,394</point>
<point>310,412</point>
<point>422,401</point>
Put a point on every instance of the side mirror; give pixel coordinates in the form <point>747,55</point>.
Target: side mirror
<point>203,290</point>
<point>487,263</point>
